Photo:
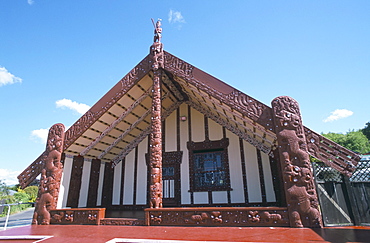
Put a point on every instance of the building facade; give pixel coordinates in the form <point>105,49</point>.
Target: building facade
<point>189,149</point>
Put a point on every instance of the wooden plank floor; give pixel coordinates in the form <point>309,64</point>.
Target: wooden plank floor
<point>84,233</point>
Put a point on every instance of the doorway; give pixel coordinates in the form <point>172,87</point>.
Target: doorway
<point>171,179</point>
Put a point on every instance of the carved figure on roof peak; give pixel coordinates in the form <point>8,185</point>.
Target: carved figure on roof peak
<point>157,30</point>
<point>157,48</point>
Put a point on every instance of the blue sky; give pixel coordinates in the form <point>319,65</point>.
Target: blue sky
<point>57,58</point>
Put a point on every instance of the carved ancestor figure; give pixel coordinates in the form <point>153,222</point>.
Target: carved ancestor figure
<point>303,201</point>
<point>157,48</point>
<point>157,30</point>
<point>157,54</point>
<point>50,176</point>
<point>298,182</point>
<point>155,189</point>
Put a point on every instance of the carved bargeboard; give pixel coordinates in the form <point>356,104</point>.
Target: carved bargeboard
<point>319,147</point>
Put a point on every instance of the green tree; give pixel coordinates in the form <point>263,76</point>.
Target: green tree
<point>4,190</point>
<point>32,192</point>
<point>21,196</point>
<point>366,130</point>
<point>18,197</point>
<point>353,140</point>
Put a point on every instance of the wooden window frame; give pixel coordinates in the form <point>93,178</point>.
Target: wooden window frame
<point>209,146</point>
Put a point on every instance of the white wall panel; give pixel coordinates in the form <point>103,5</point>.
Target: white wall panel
<point>85,180</point>
<point>100,185</point>
<point>142,173</point>
<point>184,137</point>
<point>270,194</point>
<point>117,184</point>
<point>197,126</point>
<point>214,130</point>
<point>236,177</point>
<point>253,180</point>
<point>129,179</point>
<point>64,185</point>
<point>170,133</point>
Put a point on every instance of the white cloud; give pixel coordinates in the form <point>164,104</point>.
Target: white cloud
<point>30,2</point>
<point>7,78</point>
<point>338,114</point>
<point>9,177</point>
<point>73,105</point>
<point>40,135</point>
<point>175,17</point>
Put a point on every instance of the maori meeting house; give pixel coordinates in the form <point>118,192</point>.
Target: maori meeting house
<point>172,145</point>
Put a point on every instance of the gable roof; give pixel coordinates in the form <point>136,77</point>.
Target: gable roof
<point>120,120</point>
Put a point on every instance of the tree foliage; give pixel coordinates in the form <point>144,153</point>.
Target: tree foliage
<point>32,191</point>
<point>353,140</point>
<point>366,130</point>
<point>21,196</point>
<point>4,190</point>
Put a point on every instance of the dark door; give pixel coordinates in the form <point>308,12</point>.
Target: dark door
<point>171,185</point>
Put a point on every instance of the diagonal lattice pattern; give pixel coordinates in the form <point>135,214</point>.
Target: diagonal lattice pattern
<point>362,173</point>
<point>324,173</point>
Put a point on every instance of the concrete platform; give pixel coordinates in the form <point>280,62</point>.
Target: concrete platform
<point>93,233</point>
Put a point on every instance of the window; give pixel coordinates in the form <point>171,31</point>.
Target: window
<point>209,166</point>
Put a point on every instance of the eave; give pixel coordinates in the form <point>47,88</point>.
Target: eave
<point>120,120</point>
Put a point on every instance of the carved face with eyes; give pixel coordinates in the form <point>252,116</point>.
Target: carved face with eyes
<point>305,175</point>
<point>290,120</point>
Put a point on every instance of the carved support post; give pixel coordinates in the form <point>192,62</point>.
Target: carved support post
<point>51,176</point>
<point>156,144</point>
<point>301,196</point>
<point>157,63</point>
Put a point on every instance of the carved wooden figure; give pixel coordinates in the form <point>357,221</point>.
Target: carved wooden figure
<point>156,121</point>
<point>298,181</point>
<point>157,30</point>
<point>51,176</point>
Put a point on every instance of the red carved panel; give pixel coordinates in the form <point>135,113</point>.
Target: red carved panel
<point>72,216</point>
<point>218,216</point>
<point>122,221</point>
